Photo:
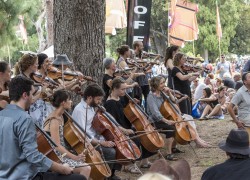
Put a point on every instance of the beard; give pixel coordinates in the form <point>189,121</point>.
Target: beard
<point>93,104</point>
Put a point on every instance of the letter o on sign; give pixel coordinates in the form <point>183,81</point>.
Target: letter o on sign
<point>140,10</point>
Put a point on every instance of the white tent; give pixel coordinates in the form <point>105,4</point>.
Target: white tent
<point>49,51</point>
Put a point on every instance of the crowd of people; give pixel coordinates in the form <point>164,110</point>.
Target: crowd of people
<point>38,98</point>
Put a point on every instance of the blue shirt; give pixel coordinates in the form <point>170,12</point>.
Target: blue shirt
<point>19,156</point>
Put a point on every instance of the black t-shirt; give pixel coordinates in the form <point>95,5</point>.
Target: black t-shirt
<point>232,169</point>
<point>182,86</point>
<point>105,87</point>
<point>115,108</point>
<point>229,83</point>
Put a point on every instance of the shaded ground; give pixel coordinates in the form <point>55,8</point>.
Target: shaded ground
<point>212,131</point>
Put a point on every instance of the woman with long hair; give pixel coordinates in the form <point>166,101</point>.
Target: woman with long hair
<point>155,101</point>
<point>54,127</point>
<point>182,80</point>
<point>170,52</point>
<point>210,104</point>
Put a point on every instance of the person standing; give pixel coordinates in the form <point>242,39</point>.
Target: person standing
<point>242,100</point>
<point>181,82</point>
<point>19,156</point>
<point>170,52</point>
<point>110,67</point>
<point>223,67</point>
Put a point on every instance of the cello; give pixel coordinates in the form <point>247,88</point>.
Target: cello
<point>107,126</point>
<point>152,140</point>
<point>44,146</point>
<point>184,133</point>
<point>74,135</point>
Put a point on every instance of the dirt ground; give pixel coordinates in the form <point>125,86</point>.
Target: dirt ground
<point>212,131</point>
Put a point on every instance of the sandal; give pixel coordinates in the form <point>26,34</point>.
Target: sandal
<point>171,157</point>
<point>132,170</point>
<point>148,165</point>
<point>175,150</point>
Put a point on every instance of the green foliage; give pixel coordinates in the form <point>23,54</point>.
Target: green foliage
<point>240,43</point>
<point>9,12</point>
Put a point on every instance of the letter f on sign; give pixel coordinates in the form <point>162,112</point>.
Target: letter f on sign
<point>137,24</point>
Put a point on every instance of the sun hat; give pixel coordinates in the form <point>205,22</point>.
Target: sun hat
<point>237,142</point>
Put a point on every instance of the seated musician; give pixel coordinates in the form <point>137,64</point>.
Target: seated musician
<point>84,113</point>
<point>155,100</point>
<point>19,156</point>
<point>54,127</point>
<point>5,74</point>
<point>114,105</point>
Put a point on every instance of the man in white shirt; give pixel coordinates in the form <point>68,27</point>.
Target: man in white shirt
<point>84,113</point>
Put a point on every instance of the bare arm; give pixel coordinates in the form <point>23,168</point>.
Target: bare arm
<point>232,114</point>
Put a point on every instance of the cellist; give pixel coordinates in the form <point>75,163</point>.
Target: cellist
<point>155,100</point>
<point>54,127</point>
<point>84,113</point>
<point>114,105</point>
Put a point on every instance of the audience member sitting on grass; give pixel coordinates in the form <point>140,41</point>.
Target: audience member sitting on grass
<point>210,105</point>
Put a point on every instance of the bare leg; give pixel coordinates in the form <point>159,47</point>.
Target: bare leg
<point>206,111</point>
<point>169,145</point>
<point>216,111</point>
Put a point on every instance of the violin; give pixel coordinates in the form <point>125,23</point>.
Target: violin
<point>122,72</point>
<point>44,146</point>
<point>193,68</point>
<point>69,75</point>
<point>105,124</point>
<point>39,78</point>
<point>76,138</point>
<point>152,140</point>
<point>184,133</point>
<point>55,73</point>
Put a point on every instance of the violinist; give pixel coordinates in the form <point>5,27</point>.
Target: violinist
<point>41,109</point>
<point>110,67</point>
<point>73,84</point>
<point>141,80</point>
<point>170,52</point>
<point>26,66</point>
<point>84,113</point>
<point>181,81</point>
<point>54,127</point>
<point>114,105</point>
<point>5,74</point>
<point>18,150</point>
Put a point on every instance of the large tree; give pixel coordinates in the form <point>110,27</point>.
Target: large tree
<point>79,33</point>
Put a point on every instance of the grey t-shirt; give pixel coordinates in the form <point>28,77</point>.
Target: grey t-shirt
<point>242,100</point>
<point>225,68</point>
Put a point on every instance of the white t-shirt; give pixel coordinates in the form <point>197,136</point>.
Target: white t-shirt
<point>199,91</point>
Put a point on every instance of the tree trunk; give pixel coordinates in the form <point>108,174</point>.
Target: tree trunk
<point>79,33</point>
<point>49,22</point>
